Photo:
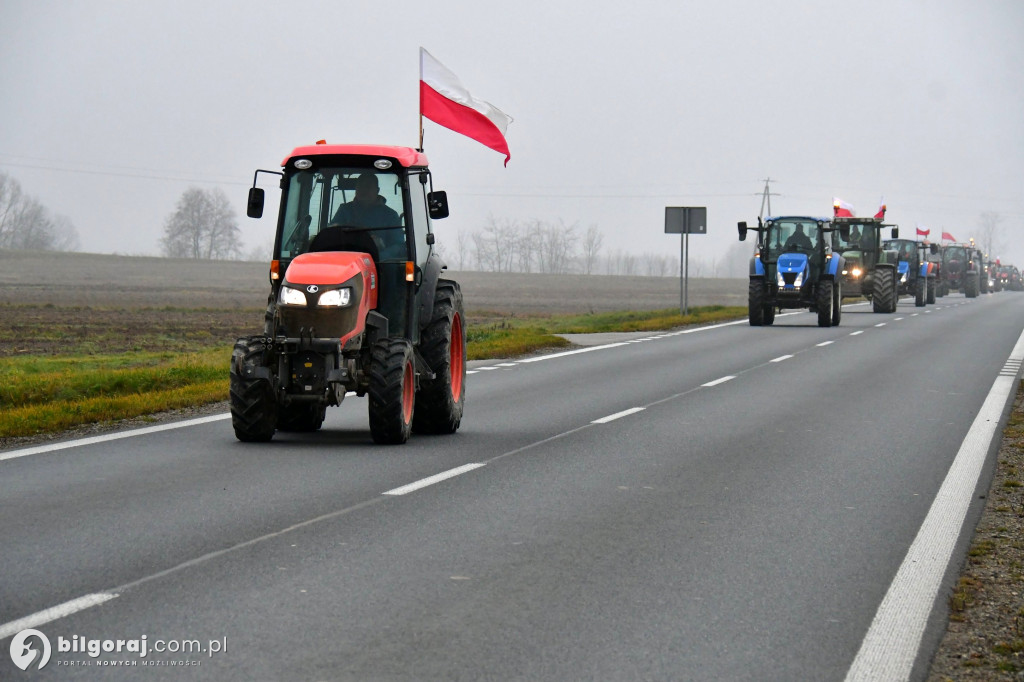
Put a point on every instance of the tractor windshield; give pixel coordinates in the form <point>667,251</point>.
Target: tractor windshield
<point>860,238</point>
<point>791,235</point>
<point>344,209</point>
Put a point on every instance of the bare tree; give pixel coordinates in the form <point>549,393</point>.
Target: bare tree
<point>494,246</point>
<point>988,233</point>
<point>27,225</point>
<point>591,248</point>
<point>202,226</point>
<point>557,247</point>
<point>462,240</point>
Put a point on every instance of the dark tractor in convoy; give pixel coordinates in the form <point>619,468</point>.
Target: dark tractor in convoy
<point>794,267</point>
<point>357,303</point>
<point>870,269</point>
<point>915,275</point>
<point>962,270</point>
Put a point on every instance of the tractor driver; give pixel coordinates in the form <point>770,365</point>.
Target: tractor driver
<point>798,240</point>
<point>367,209</point>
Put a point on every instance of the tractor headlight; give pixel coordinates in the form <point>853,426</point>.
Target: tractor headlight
<point>335,298</point>
<point>291,296</point>
<point>903,278</point>
<point>855,272</point>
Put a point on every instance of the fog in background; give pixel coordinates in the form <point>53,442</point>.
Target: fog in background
<point>109,111</point>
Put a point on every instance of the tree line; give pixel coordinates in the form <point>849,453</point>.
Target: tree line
<point>27,225</point>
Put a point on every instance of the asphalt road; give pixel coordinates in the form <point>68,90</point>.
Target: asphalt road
<point>724,503</point>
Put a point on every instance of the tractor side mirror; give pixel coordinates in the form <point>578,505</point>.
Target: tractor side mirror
<point>254,209</point>
<point>934,248</point>
<point>742,227</point>
<point>437,205</point>
<point>895,233</point>
<point>844,232</point>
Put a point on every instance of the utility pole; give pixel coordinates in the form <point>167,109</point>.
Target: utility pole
<point>766,198</point>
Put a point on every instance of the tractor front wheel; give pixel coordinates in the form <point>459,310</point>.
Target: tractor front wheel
<point>883,291</point>
<point>930,295</point>
<point>253,405</point>
<point>755,301</point>
<point>837,302</point>
<point>920,292</point>
<point>440,401</point>
<point>392,391</point>
<point>824,303</point>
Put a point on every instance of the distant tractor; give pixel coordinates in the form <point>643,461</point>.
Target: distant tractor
<point>962,269</point>
<point>794,267</point>
<point>870,269</point>
<point>915,275</point>
<point>357,302</point>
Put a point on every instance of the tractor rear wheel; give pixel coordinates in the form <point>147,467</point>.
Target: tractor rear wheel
<point>837,302</point>
<point>920,292</point>
<point>440,401</point>
<point>883,291</point>
<point>392,391</point>
<point>769,314</point>
<point>755,302</point>
<point>253,405</point>
<point>824,303</point>
<point>930,295</point>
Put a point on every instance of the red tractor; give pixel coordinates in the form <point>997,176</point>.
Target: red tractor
<point>357,302</point>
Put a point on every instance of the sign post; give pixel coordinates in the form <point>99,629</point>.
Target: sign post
<point>684,221</point>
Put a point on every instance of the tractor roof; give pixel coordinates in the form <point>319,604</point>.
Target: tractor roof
<point>406,156</point>
<point>776,218</point>
<point>858,220</point>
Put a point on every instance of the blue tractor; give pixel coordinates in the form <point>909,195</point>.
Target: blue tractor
<point>794,267</point>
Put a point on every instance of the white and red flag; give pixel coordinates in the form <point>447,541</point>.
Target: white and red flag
<point>445,101</point>
<point>841,209</point>
<point>881,209</point>
<point>947,237</point>
<point>923,232</point>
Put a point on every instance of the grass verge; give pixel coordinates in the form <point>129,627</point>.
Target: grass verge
<point>46,393</point>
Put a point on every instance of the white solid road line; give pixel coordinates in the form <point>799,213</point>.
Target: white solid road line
<point>436,478</point>
<point>54,612</point>
<point>890,647</point>
<point>719,381</point>
<point>618,415</point>
<point>25,452</point>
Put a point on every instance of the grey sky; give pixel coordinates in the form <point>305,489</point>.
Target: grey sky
<point>110,110</point>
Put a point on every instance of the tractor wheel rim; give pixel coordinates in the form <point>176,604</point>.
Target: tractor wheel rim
<point>457,358</point>
<point>408,392</point>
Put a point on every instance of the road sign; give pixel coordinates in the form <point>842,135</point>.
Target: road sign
<point>686,220</point>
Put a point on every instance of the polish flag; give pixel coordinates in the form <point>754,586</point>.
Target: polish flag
<point>923,233</point>
<point>841,209</point>
<point>445,101</point>
<point>881,211</point>
<point>947,237</point>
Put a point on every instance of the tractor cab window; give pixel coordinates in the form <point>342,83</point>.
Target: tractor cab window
<point>792,235</point>
<point>341,209</point>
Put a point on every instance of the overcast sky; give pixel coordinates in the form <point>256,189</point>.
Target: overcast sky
<point>109,111</point>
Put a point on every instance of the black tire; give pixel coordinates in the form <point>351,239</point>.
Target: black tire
<point>301,417</point>
<point>930,295</point>
<point>441,400</point>
<point>755,302</point>
<point>971,287</point>
<point>824,303</point>
<point>253,405</point>
<point>837,302</point>
<point>769,314</point>
<point>392,391</point>
<point>920,292</point>
<point>883,291</point>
